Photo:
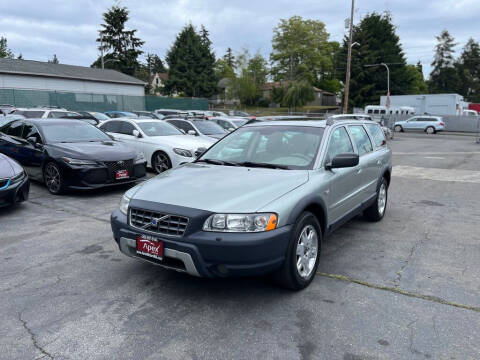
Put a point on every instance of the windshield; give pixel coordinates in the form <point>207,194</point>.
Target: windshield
<point>239,123</point>
<point>74,132</point>
<point>159,128</point>
<point>100,116</point>
<point>290,147</point>
<point>209,128</point>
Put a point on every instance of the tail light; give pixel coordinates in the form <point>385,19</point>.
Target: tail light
<point>441,124</point>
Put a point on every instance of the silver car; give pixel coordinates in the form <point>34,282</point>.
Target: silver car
<point>259,201</point>
<point>428,124</point>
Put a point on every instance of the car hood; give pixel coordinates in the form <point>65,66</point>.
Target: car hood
<point>100,151</point>
<point>219,188</point>
<point>8,168</point>
<point>188,142</point>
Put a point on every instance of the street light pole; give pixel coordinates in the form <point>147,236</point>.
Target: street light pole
<point>388,79</point>
<point>349,61</point>
<point>101,50</point>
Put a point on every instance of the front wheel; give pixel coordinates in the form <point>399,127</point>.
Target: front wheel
<point>53,178</point>
<point>376,211</point>
<point>430,130</point>
<point>161,162</point>
<point>398,128</point>
<point>303,254</point>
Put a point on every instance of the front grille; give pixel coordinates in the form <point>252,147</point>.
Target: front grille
<point>114,166</point>
<point>152,221</point>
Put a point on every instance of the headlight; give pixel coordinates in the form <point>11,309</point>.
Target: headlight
<point>124,205</point>
<point>241,222</point>
<point>140,158</point>
<point>18,177</point>
<point>79,162</point>
<point>182,152</point>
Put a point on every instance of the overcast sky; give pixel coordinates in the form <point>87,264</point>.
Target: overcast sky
<point>40,28</point>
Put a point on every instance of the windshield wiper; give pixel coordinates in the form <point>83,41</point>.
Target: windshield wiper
<point>263,165</point>
<point>218,162</point>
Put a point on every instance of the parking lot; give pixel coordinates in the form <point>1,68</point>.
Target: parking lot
<point>407,287</point>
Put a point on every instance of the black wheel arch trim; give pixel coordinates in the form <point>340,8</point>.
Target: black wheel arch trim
<point>307,204</point>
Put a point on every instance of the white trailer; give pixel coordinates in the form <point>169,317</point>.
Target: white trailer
<point>429,104</point>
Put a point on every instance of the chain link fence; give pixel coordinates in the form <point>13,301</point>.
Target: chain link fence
<point>96,102</point>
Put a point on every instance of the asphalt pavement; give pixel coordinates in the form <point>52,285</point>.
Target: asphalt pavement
<point>405,288</point>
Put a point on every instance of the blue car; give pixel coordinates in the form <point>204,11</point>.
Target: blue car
<point>428,124</point>
<point>120,114</point>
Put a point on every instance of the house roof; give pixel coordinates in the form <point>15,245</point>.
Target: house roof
<point>38,68</point>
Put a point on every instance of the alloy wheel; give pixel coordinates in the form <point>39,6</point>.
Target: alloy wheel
<point>382,199</point>
<point>52,178</point>
<point>307,251</point>
<point>161,163</point>
<point>430,130</point>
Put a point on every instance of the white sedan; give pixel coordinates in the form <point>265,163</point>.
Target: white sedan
<point>162,144</point>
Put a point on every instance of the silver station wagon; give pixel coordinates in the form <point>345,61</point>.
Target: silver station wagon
<point>259,201</point>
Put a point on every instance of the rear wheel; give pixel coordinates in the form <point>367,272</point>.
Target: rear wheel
<point>430,130</point>
<point>376,211</point>
<point>398,128</point>
<point>53,178</point>
<point>303,254</point>
<point>161,162</point>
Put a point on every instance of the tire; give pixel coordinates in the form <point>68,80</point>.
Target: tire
<point>161,162</point>
<point>398,128</point>
<point>307,231</point>
<point>376,211</point>
<point>430,130</point>
<point>52,176</point>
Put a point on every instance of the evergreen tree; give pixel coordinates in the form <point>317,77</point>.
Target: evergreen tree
<point>377,43</point>
<point>444,76</point>
<point>191,64</point>
<point>229,58</point>
<point>20,56</point>
<point>417,84</point>
<point>155,64</point>
<point>121,46</point>
<point>468,66</point>
<point>54,59</point>
<point>5,52</point>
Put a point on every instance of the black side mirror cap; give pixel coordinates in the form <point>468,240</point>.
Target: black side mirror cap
<point>343,161</point>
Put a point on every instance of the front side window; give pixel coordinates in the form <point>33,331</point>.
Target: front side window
<point>292,147</point>
<point>183,125</point>
<point>29,130</point>
<point>157,128</point>
<point>127,128</point>
<point>377,134</point>
<point>112,126</point>
<point>15,129</point>
<point>361,139</point>
<point>33,114</point>
<point>340,143</point>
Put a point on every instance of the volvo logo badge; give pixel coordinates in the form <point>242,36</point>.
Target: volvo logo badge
<point>120,163</point>
<point>154,222</point>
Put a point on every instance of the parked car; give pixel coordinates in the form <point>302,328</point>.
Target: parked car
<point>203,128</point>
<point>168,112</point>
<point>97,115</point>
<point>87,118</point>
<point>229,123</point>
<point>148,114</point>
<point>238,113</point>
<point>14,183</point>
<point>163,145</point>
<point>120,114</point>
<point>428,124</point>
<point>387,131</point>
<point>6,109</point>
<point>35,113</point>
<point>258,201</point>
<point>70,154</point>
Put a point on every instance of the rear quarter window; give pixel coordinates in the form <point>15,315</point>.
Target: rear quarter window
<point>377,134</point>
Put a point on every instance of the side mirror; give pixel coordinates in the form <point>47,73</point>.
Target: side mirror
<point>343,161</point>
<point>191,132</point>
<point>136,133</point>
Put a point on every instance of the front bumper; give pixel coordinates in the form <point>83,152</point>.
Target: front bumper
<point>77,177</point>
<point>15,193</point>
<point>210,254</point>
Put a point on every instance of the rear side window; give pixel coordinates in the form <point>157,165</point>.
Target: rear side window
<point>15,129</point>
<point>33,114</point>
<point>377,134</point>
<point>340,143</point>
<point>361,139</point>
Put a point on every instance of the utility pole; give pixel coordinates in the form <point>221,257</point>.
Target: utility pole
<point>101,50</point>
<point>349,61</point>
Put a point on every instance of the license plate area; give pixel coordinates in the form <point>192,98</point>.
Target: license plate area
<point>150,246</point>
<point>121,174</point>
